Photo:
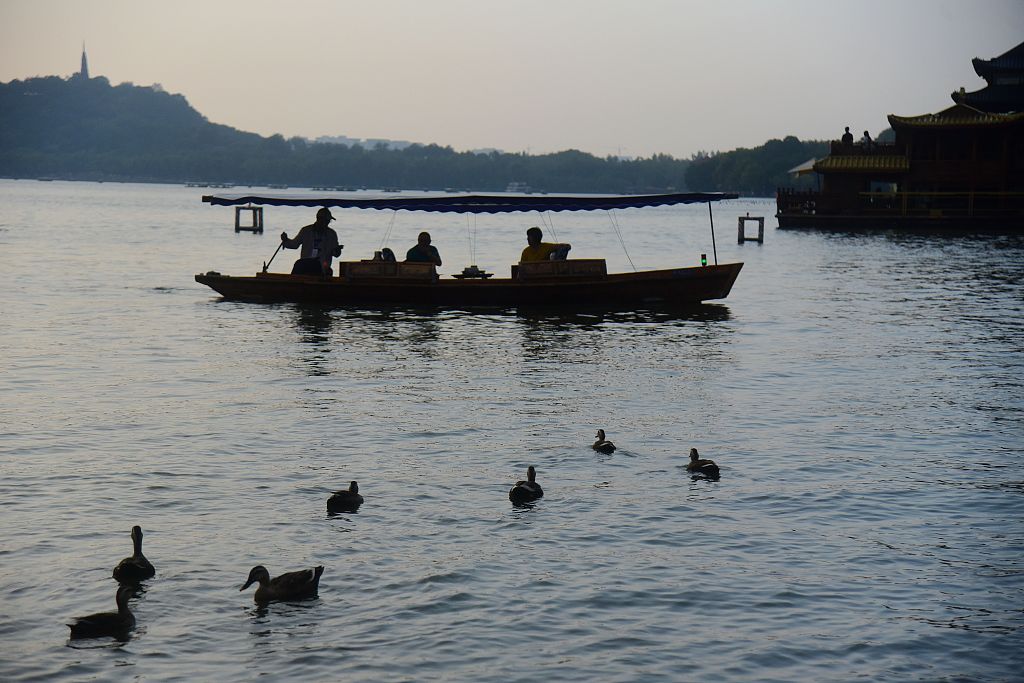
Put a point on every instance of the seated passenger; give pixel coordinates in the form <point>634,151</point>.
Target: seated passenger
<point>423,251</point>
<point>542,251</point>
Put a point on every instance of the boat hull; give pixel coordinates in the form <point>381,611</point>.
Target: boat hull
<point>672,287</point>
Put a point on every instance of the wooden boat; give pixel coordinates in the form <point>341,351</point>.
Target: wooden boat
<point>572,282</point>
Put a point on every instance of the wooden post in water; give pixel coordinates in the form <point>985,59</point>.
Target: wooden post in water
<point>257,219</point>
<point>741,235</point>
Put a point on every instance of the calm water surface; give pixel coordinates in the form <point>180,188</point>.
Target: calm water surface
<point>862,394</point>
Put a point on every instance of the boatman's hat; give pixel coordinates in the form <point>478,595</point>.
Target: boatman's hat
<point>324,214</point>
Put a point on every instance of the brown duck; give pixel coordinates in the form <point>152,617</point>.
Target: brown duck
<point>602,445</point>
<point>525,491</point>
<point>345,501</point>
<point>135,568</point>
<point>699,465</point>
<point>289,586</point>
<point>115,624</point>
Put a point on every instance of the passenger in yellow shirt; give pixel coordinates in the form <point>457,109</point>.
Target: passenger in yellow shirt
<point>542,251</point>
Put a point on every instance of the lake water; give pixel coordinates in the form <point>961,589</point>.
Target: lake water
<point>862,394</point>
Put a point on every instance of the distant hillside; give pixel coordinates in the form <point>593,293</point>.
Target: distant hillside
<point>756,172</point>
<point>87,129</point>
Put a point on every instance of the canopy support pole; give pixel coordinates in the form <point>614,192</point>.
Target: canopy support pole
<point>713,248</point>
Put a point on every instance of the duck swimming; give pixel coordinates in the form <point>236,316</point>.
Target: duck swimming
<point>525,491</point>
<point>135,568</point>
<point>602,445</point>
<point>345,501</point>
<point>700,465</point>
<point>289,586</point>
<point>107,623</point>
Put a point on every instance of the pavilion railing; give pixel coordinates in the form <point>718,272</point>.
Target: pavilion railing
<point>883,203</point>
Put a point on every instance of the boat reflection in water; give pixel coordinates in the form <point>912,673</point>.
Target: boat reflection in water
<point>655,315</point>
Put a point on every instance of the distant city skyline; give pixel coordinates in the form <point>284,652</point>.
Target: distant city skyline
<point>654,76</point>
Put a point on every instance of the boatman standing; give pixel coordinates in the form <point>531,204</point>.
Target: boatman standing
<point>319,244</point>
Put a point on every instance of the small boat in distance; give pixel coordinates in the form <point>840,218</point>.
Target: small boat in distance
<point>573,283</point>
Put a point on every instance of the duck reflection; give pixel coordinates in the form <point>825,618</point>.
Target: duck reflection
<point>109,642</point>
<point>292,618</point>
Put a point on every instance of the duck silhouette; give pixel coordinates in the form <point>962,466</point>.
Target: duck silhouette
<point>115,624</point>
<point>526,491</point>
<point>135,568</point>
<point>345,501</point>
<point>602,445</point>
<point>700,465</point>
<point>289,586</point>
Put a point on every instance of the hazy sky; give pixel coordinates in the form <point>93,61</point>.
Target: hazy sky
<point>632,77</point>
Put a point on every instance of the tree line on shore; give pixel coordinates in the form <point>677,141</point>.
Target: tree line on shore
<point>87,129</point>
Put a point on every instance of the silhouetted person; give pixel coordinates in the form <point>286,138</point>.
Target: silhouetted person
<point>865,140</point>
<point>847,138</point>
<point>423,251</point>
<point>537,250</point>
<point>319,244</point>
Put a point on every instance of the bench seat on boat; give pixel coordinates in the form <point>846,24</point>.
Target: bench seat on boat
<point>354,270</point>
<point>580,267</point>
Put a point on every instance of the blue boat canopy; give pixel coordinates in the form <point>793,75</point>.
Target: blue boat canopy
<point>477,203</point>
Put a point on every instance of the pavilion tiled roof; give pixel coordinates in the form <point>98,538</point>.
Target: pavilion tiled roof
<point>994,98</point>
<point>1011,60</point>
<point>957,115</point>
<point>863,163</point>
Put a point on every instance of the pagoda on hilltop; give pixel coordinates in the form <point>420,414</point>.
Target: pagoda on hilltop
<point>82,73</point>
<point>960,168</point>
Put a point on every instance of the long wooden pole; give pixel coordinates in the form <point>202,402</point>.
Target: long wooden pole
<point>713,248</point>
<point>267,264</point>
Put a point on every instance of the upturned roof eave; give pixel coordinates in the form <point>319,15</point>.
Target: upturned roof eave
<point>959,115</point>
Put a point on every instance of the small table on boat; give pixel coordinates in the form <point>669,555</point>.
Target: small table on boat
<point>471,273</point>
